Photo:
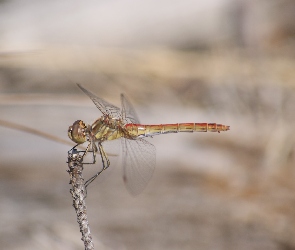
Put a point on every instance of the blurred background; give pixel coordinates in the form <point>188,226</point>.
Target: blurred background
<point>223,61</point>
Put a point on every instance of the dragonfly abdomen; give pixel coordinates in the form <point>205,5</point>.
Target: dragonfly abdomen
<point>151,130</point>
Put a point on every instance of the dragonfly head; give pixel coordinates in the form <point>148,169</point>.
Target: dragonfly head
<point>77,132</point>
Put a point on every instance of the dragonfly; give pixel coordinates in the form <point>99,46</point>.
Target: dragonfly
<point>138,155</point>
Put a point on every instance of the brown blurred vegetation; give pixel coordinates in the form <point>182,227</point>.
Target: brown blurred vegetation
<point>232,190</point>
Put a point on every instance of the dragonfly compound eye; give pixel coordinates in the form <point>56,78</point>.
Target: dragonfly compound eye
<point>77,132</point>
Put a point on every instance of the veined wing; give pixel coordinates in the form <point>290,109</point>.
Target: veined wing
<point>105,107</point>
<point>128,112</point>
<point>139,160</point>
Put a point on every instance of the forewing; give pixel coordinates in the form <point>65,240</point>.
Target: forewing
<point>105,107</point>
<point>139,160</point>
<point>128,112</point>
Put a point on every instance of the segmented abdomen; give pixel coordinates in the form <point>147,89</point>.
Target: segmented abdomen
<point>136,130</point>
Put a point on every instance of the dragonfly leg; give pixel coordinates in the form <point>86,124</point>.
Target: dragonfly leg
<point>73,149</point>
<point>87,149</point>
<point>105,164</point>
<point>93,151</point>
<point>104,157</point>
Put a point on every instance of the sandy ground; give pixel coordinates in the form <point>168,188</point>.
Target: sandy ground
<point>232,190</point>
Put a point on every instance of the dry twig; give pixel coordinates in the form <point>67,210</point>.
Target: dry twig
<point>78,192</point>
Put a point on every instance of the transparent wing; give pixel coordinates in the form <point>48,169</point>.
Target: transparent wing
<point>128,112</point>
<point>139,160</point>
<point>105,107</point>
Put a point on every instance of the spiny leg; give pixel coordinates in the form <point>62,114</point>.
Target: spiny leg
<point>105,164</point>
<point>73,148</point>
<point>94,150</point>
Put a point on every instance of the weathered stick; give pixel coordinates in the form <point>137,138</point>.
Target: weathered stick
<point>78,192</point>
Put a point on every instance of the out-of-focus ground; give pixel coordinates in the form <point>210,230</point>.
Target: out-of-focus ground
<point>233,190</point>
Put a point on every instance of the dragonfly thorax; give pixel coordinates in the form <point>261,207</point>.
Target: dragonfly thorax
<point>106,128</point>
<point>77,132</point>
